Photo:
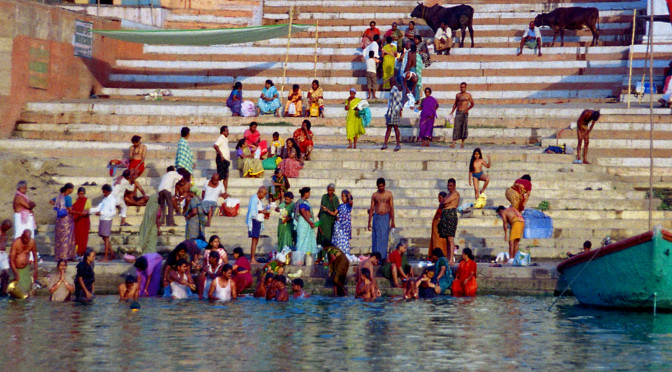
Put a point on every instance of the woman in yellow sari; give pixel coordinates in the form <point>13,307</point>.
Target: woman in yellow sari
<point>315,99</point>
<point>353,123</point>
<point>389,55</point>
<point>248,163</point>
<point>295,98</point>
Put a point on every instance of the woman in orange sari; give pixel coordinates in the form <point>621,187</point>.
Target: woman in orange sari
<point>80,212</point>
<point>436,241</point>
<point>464,283</point>
<point>304,138</point>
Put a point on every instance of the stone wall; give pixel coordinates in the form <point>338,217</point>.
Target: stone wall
<point>37,59</point>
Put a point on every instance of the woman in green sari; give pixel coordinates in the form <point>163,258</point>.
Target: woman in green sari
<point>149,228</point>
<point>327,216</point>
<point>443,276</point>
<point>195,215</point>
<point>389,56</point>
<point>286,222</point>
<point>305,227</point>
<point>353,123</point>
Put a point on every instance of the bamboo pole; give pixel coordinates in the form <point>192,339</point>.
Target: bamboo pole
<point>646,60</point>
<point>632,44</point>
<point>97,8</point>
<point>151,6</point>
<point>317,37</point>
<point>651,120</point>
<point>289,39</point>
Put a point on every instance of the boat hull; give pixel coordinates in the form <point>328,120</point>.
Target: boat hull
<point>629,274</point>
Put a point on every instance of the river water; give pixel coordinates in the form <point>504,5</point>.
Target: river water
<point>484,333</point>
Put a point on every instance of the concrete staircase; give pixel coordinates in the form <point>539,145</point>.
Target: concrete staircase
<point>496,76</point>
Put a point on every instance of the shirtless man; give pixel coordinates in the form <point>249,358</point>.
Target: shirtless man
<point>130,289</point>
<point>278,290</point>
<point>23,211</point>
<point>4,258</point>
<point>366,289</point>
<point>181,190</point>
<point>511,216</point>
<point>19,256</point>
<point>136,157</point>
<point>130,196</point>
<point>382,214</point>
<point>463,103</point>
<point>583,133</point>
<point>450,204</point>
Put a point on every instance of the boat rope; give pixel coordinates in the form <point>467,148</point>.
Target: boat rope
<point>577,275</point>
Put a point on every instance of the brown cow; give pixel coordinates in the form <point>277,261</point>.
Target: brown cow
<point>575,18</point>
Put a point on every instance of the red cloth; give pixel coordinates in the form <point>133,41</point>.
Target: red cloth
<point>82,226</point>
<point>525,183</point>
<point>243,281</point>
<point>254,139</point>
<point>669,9</point>
<point>137,164</point>
<point>464,269</point>
<point>301,139</point>
<point>395,258</point>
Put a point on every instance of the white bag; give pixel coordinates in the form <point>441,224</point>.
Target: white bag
<point>231,202</point>
<point>4,260</point>
<point>247,109</point>
<point>291,110</point>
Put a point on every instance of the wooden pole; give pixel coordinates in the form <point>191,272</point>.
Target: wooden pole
<point>651,119</point>
<point>646,60</point>
<point>317,37</point>
<point>151,6</point>
<point>289,40</point>
<point>98,8</point>
<point>632,43</point>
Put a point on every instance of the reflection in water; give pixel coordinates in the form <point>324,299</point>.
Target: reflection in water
<point>482,333</point>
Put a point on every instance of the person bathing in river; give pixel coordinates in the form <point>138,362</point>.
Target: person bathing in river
<point>223,288</point>
<point>476,171</point>
<point>19,260</point>
<point>181,283</point>
<point>297,288</point>
<point>130,289</point>
<point>366,289</point>
<point>278,289</point>
<point>264,285</point>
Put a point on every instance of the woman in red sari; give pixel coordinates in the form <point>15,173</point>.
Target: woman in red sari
<point>80,212</point>
<point>253,140</point>
<point>464,283</point>
<point>304,138</point>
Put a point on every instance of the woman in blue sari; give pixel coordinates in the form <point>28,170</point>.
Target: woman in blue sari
<point>235,101</point>
<point>305,227</point>
<point>269,103</point>
<point>442,274</point>
<point>343,225</point>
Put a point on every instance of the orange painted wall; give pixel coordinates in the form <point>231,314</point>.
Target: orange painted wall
<point>36,25</point>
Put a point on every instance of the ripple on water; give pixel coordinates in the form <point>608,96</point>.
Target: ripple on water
<point>483,333</point>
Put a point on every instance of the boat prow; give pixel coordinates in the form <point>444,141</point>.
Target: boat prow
<point>632,273</point>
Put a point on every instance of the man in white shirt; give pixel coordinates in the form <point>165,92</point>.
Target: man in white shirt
<point>119,192</point>
<point>372,47</point>
<point>371,77</point>
<point>212,190</point>
<point>107,209</point>
<point>256,213</point>
<point>223,158</point>
<point>166,187</point>
<point>442,39</point>
<point>531,39</point>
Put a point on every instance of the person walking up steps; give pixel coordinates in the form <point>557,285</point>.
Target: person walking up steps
<point>476,171</point>
<point>463,103</point>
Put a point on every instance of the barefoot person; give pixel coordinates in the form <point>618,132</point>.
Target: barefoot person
<point>381,215</point>
<point>255,220</point>
<point>395,108</point>
<point>223,159</point>
<point>129,289</point>
<point>476,171</point>
<point>463,103</point>
<point>365,289</point>
<point>448,224</point>
<point>511,216</point>
<point>23,211</point>
<point>106,210</point>
<point>19,256</point>
<point>136,157</point>
<point>531,39</point>
<point>583,132</point>
<point>212,190</point>
<point>396,267</point>
<point>353,123</point>
<point>369,264</point>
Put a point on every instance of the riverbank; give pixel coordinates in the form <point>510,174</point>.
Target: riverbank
<point>541,280</point>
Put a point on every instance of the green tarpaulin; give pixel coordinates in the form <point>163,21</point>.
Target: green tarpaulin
<point>222,36</point>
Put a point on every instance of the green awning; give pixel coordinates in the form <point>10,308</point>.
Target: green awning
<point>223,36</point>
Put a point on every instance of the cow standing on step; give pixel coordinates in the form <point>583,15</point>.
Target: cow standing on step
<point>575,18</point>
<point>458,17</point>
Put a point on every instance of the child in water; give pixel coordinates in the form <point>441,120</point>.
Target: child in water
<point>278,290</point>
<point>365,288</point>
<point>263,286</point>
<point>297,288</point>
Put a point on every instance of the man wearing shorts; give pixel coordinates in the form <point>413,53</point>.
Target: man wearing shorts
<point>106,210</point>
<point>371,76</point>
